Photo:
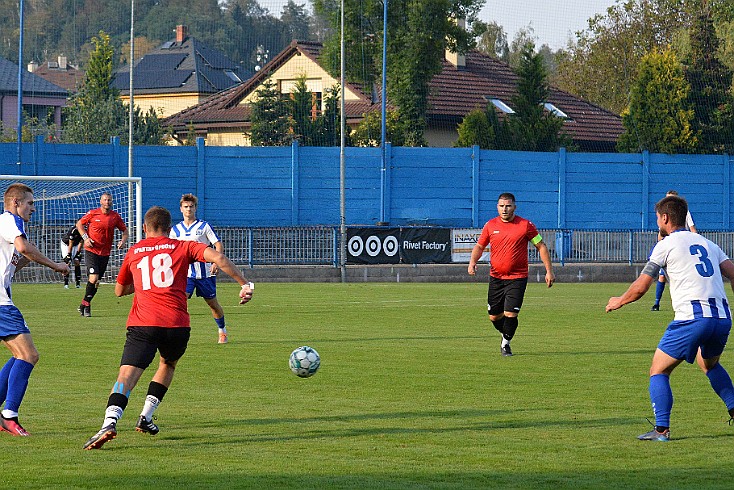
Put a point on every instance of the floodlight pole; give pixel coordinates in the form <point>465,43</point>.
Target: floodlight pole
<point>342,165</point>
<point>20,84</point>
<point>383,112</point>
<point>138,233</point>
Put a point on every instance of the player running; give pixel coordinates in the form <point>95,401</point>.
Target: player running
<point>15,253</point>
<point>97,229</point>
<point>155,270</point>
<point>702,322</point>
<point>202,275</point>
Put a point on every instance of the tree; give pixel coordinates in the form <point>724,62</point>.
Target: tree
<point>658,118</point>
<point>531,126</point>
<point>710,94</point>
<point>493,41</point>
<point>96,113</point>
<point>474,129</point>
<point>270,120</point>
<point>601,65</point>
<point>369,130</point>
<point>418,32</point>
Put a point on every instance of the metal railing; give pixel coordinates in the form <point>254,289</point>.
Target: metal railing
<point>319,245</point>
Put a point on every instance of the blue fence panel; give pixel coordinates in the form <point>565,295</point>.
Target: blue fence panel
<point>453,187</point>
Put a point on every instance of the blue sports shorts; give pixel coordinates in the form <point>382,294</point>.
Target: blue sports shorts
<point>205,288</point>
<point>11,321</point>
<point>682,338</point>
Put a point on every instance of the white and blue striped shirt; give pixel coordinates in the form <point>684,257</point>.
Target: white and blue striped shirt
<point>692,265</point>
<point>11,227</point>
<point>198,231</point>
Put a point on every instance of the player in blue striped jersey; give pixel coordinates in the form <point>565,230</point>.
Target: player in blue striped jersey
<point>202,275</point>
<point>16,251</point>
<point>695,268</point>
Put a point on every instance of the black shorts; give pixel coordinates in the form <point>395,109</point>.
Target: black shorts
<point>96,264</point>
<point>141,344</point>
<point>505,295</point>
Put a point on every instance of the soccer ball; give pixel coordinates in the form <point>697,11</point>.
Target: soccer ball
<point>304,362</point>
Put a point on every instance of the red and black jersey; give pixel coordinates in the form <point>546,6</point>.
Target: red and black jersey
<point>508,246</point>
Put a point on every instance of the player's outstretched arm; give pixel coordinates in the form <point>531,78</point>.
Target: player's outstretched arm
<point>31,252</point>
<point>636,291</point>
<point>229,268</point>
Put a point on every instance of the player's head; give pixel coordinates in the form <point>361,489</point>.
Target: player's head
<point>189,202</point>
<point>671,192</point>
<point>105,201</point>
<point>157,221</point>
<point>676,209</point>
<point>506,206</point>
<point>18,199</point>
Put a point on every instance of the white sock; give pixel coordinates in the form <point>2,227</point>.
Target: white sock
<point>9,414</point>
<point>505,341</point>
<point>112,415</point>
<point>151,403</point>
<point>223,330</point>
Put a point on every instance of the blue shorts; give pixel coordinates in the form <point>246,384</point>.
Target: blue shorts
<point>205,288</point>
<point>11,321</point>
<point>682,338</point>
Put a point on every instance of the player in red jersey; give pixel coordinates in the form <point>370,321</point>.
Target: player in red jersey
<point>156,270</point>
<point>508,236</point>
<point>97,228</point>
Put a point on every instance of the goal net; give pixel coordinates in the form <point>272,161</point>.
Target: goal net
<point>60,201</point>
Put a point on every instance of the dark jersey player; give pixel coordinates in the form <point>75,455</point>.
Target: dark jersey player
<point>155,270</point>
<point>71,247</point>
<point>508,236</point>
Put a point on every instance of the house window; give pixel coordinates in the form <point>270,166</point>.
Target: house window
<point>232,76</point>
<point>555,110</point>
<point>500,105</point>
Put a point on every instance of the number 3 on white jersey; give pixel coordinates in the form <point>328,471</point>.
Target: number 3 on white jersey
<point>161,275</point>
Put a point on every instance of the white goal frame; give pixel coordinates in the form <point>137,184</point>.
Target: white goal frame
<point>47,236</point>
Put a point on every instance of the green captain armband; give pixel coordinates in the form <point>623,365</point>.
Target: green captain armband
<point>537,239</point>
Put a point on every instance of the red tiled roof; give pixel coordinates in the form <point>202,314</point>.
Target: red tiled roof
<point>452,94</point>
<point>70,78</point>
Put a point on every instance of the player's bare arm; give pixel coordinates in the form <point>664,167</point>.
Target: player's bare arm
<point>31,252</point>
<point>86,241</point>
<point>476,254</point>
<point>727,270</point>
<point>636,291</point>
<point>550,277</point>
<point>229,268</point>
<point>219,248</point>
<point>124,289</point>
<point>123,240</point>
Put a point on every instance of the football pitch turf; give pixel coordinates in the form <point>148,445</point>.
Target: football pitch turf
<point>412,394</point>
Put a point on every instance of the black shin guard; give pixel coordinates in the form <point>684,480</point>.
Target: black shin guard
<point>510,327</point>
<point>157,390</point>
<point>118,400</point>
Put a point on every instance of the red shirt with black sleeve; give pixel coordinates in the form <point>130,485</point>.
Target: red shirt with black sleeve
<point>101,229</point>
<point>158,268</point>
<point>508,246</point>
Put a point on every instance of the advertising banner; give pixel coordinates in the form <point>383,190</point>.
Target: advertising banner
<point>373,245</point>
<point>462,243</point>
<point>425,245</point>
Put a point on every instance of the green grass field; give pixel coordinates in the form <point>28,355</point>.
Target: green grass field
<point>412,393</point>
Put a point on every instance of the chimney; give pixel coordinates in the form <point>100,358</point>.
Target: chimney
<point>32,66</point>
<point>456,59</point>
<point>62,62</point>
<point>182,32</point>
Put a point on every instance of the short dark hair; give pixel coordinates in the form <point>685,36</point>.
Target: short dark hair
<point>507,195</point>
<point>671,192</point>
<point>675,207</point>
<point>158,218</point>
<point>189,198</point>
<point>16,191</point>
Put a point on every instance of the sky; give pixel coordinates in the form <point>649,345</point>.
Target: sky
<point>554,21</point>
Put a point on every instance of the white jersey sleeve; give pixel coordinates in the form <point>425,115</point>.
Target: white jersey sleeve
<point>11,227</point>
<point>689,220</point>
<point>692,265</point>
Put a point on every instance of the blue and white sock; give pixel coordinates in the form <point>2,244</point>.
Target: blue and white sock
<point>661,397</point>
